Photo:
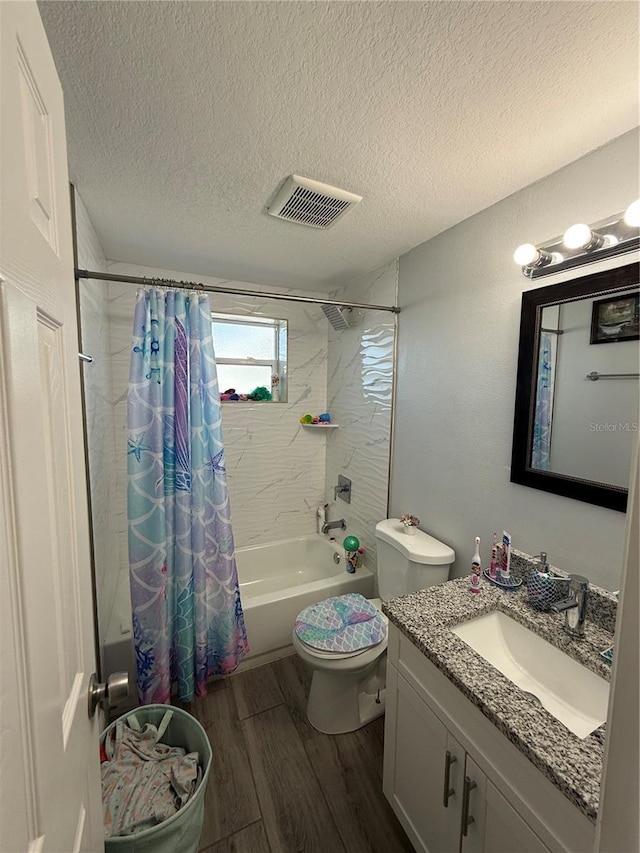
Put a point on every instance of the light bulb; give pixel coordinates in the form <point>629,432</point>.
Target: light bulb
<point>577,236</point>
<point>526,254</point>
<point>632,214</point>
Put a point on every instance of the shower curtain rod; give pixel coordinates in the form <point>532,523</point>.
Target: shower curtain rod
<point>233,291</point>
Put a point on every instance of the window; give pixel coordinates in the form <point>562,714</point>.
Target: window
<point>251,352</point>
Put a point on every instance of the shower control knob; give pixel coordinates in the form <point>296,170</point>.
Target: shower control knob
<point>115,690</point>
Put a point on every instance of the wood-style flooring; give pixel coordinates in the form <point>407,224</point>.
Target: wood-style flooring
<point>279,786</point>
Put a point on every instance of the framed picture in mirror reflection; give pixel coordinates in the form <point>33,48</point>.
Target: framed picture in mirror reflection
<point>616,319</point>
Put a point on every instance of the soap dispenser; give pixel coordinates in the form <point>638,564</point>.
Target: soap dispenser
<point>543,563</point>
<point>543,589</point>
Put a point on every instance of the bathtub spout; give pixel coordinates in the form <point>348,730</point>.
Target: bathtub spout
<point>332,525</point>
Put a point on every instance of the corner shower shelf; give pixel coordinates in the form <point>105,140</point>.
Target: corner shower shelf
<point>320,426</point>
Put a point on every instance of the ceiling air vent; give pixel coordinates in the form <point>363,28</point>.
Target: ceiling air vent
<point>311,203</point>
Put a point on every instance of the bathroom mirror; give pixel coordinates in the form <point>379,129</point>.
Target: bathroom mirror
<point>577,387</point>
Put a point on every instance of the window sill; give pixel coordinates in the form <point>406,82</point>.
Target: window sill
<point>254,402</point>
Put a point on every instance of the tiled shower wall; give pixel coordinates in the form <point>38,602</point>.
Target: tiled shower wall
<point>99,413</point>
<point>360,387</point>
<point>278,472</point>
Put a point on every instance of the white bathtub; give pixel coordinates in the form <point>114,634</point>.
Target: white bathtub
<point>276,582</point>
<point>279,579</point>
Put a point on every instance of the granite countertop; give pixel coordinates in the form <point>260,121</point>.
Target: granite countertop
<point>573,764</point>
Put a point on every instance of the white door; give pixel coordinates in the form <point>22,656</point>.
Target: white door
<point>49,765</point>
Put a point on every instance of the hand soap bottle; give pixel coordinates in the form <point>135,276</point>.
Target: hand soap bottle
<point>542,588</point>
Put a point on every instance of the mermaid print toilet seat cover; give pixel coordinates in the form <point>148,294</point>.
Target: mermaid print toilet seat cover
<point>344,623</point>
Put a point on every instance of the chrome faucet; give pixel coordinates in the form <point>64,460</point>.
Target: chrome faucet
<point>575,606</point>
<point>333,525</point>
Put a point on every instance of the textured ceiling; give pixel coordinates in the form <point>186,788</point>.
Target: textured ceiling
<point>184,118</point>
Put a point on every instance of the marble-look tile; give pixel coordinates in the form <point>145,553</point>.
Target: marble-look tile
<point>573,764</point>
<point>360,389</point>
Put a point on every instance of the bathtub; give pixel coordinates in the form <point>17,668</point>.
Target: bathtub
<point>279,579</point>
<point>276,581</point>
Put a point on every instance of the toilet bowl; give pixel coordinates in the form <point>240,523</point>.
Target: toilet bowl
<point>348,688</point>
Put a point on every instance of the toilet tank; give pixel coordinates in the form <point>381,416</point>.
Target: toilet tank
<point>406,562</point>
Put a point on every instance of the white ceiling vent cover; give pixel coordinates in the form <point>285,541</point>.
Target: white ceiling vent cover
<point>311,203</point>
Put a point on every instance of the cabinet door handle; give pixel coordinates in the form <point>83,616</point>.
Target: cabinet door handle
<point>467,819</point>
<point>448,761</point>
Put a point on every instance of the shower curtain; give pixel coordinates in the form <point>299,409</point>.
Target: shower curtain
<point>187,616</point>
<point>541,445</point>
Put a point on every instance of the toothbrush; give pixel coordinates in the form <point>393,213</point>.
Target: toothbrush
<point>493,566</point>
<point>476,568</point>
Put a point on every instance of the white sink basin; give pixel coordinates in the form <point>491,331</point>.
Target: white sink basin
<point>568,690</point>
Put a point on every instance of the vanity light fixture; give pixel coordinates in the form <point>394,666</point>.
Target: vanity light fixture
<point>582,244</point>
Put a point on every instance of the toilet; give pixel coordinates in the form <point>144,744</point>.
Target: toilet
<point>348,688</point>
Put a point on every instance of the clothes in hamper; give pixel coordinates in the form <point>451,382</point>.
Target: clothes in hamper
<point>144,781</point>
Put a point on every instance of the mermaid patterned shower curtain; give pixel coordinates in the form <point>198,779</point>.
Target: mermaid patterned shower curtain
<point>187,616</point>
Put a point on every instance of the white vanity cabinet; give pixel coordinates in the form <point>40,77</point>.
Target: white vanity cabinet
<point>431,781</point>
<point>414,770</point>
<point>456,784</point>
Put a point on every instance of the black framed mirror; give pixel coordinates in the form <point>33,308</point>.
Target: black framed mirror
<point>577,387</point>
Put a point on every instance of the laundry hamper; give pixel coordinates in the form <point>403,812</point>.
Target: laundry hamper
<point>181,832</point>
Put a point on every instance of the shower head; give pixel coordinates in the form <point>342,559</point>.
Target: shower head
<point>338,316</point>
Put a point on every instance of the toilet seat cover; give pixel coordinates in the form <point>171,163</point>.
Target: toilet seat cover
<point>344,623</point>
